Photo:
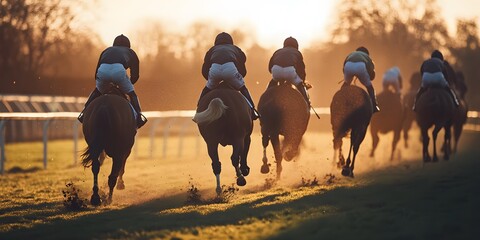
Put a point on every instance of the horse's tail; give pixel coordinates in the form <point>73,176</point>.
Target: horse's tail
<point>216,108</point>
<point>95,148</point>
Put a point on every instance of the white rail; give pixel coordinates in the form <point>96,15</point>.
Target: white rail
<point>155,117</point>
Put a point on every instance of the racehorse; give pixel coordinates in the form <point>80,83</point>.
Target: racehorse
<point>224,117</point>
<point>284,112</point>
<point>351,111</point>
<point>435,108</point>
<point>109,126</point>
<point>390,118</point>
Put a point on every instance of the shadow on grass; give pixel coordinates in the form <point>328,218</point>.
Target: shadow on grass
<point>439,201</point>
<point>18,169</point>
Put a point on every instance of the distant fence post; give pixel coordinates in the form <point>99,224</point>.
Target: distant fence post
<point>153,129</point>
<point>45,142</point>
<point>2,146</point>
<point>75,141</point>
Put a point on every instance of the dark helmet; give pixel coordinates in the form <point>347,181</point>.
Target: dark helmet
<point>121,40</point>
<point>437,54</point>
<point>290,42</point>
<point>223,38</point>
<point>363,49</point>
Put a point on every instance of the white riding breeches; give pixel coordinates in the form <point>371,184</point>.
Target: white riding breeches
<point>433,80</point>
<point>358,69</point>
<point>286,73</point>
<point>113,73</point>
<point>226,72</point>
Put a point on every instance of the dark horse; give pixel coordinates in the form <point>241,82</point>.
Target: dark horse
<point>350,110</point>
<point>109,125</point>
<point>284,112</point>
<point>391,118</point>
<point>224,117</point>
<point>435,108</point>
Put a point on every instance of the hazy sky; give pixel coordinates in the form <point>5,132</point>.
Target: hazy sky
<point>273,19</point>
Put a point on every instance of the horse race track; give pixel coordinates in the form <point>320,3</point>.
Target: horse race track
<point>386,200</point>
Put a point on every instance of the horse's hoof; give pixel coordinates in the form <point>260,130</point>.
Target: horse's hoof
<point>245,171</point>
<point>218,190</point>
<point>95,200</point>
<point>241,181</point>
<point>346,172</point>
<point>265,169</point>
<point>120,186</point>
<point>435,159</point>
<point>108,201</point>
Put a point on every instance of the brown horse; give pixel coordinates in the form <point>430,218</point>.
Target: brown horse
<point>391,118</point>
<point>109,126</point>
<point>224,117</point>
<point>284,112</point>
<point>435,108</point>
<point>408,101</point>
<point>350,110</point>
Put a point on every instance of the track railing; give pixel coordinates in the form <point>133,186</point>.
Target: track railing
<point>155,118</point>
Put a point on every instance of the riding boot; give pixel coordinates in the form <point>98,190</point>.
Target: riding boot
<point>371,92</point>
<point>420,91</point>
<point>272,83</point>
<point>92,96</point>
<point>454,96</point>
<point>141,119</point>
<point>301,88</point>
<point>246,94</point>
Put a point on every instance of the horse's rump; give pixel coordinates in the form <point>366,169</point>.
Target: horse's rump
<point>235,119</point>
<point>435,106</point>
<point>283,110</point>
<point>350,108</point>
<point>109,125</point>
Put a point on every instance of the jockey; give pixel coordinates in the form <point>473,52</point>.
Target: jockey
<point>393,78</point>
<point>287,64</point>
<point>359,64</point>
<point>434,74</point>
<point>111,68</point>
<point>226,62</point>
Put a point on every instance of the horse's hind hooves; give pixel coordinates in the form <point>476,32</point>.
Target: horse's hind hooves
<point>347,172</point>
<point>265,169</point>
<point>241,181</point>
<point>95,200</point>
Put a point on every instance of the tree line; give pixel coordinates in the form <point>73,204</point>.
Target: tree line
<point>42,54</point>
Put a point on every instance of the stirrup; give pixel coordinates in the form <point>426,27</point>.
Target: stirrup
<point>256,115</point>
<point>80,117</point>
<point>141,120</point>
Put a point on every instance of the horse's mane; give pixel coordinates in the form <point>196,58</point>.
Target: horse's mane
<point>215,110</point>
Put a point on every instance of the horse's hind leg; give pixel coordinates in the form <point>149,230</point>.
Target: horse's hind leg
<point>434,135</point>
<point>216,165</point>
<point>265,168</point>
<point>120,182</point>
<point>95,199</point>
<point>118,163</point>
<point>237,151</point>
<point>278,154</point>
<point>447,142</point>
<point>425,141</point>
<point>396,139</point>
<point>375,140</point>
<point>243,157</point>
